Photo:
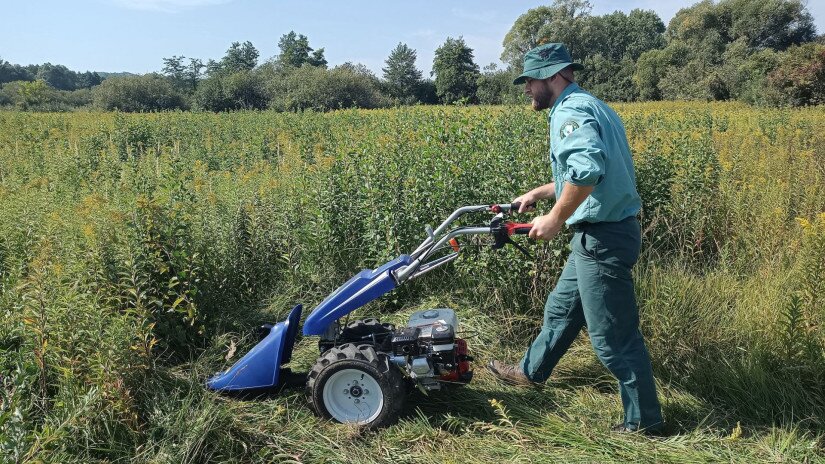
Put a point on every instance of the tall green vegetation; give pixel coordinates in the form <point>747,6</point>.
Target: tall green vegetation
<point>232,82</point>
<point>45,87</point>
<point>138,251</point>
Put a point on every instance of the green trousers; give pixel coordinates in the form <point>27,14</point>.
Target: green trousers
<point>596,290</point>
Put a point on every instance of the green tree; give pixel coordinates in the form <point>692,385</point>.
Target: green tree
<point>245,91</point>
<point>700,24</point>
<point>745,71</point>
<point>13,72</point>
<point>456,74</point>
<point>88,80</point>
<point>426,92</point>
<point>617,36</point>
<point>720,51</point>
<point>774,24</point>
<point>9,92</point>
<point>193,73</point>
<point>608,45</point>
<point>33,94</point>
<point>799,79</point>
<point>560,22</point>
<point>210,95</point>
<point>692,81</point>
<point>213,68</point>
<point>295,52</point>
<point>401,76</point>
<point>186,76</point>
<point>652,66</point>
<point>239,57</point>
<point>57,76</point>
<point>611,46</point>
<point>610,79</point>
<point>66,100</point>
<point>689,66</point>
<point>175,70</point>
<point>355,86</point>
<point>495,86</point>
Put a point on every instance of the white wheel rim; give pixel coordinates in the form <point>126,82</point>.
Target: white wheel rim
<point>353,396</point>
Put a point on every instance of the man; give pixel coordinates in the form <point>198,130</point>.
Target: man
<point>594,184</point>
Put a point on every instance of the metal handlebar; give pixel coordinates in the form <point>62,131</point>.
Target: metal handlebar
<point>436,241</point>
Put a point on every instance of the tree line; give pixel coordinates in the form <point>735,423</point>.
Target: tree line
<point>764,52</point>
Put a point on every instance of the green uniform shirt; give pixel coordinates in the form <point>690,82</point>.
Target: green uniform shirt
<point>588,146</point>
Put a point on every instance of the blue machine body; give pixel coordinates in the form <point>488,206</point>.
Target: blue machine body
<point>362,288</point>
<point>261,367</point>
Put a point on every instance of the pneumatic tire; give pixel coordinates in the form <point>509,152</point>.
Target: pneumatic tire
<point>354,384</point>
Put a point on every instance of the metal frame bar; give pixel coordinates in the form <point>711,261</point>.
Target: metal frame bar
<point>433,243</point>
<point>455,215</point>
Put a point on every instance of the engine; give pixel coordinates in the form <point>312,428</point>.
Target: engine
<point>429,351</point>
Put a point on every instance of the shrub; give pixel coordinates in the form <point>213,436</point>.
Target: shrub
<point>320,89</point>
<point>150,92</point>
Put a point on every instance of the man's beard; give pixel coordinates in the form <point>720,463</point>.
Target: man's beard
<point>542,101</point>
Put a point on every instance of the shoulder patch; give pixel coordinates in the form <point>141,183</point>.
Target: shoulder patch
<point>567,128</point>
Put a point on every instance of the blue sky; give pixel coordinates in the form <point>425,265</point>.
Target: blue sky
<point>134,35</point>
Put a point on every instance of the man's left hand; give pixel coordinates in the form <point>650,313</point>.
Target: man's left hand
<point>545,227</point>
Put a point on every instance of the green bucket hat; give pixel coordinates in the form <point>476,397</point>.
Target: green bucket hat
<point>544,61</point>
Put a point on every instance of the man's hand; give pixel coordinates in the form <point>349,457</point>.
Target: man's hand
<point>539,193</point>
<point>545,227</point>
<point>525,200</point>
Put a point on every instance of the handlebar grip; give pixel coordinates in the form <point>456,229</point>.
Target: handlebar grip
<point>514,207</point>
<point>516,228</point>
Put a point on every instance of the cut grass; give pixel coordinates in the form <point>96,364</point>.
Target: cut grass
<point>566,421</point>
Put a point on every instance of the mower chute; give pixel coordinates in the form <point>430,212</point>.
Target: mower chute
<point>261,367</point>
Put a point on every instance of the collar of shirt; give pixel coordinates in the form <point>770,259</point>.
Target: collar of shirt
<point>572,87</point>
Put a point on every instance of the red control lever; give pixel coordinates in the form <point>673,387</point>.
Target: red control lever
<point>517,228</point>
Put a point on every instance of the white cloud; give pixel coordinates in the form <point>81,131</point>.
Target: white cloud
<point>167,6</point>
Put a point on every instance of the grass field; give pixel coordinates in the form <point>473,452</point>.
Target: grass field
<point>137,252</point>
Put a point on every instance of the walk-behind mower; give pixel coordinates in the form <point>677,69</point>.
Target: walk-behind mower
<point>366,367</point>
